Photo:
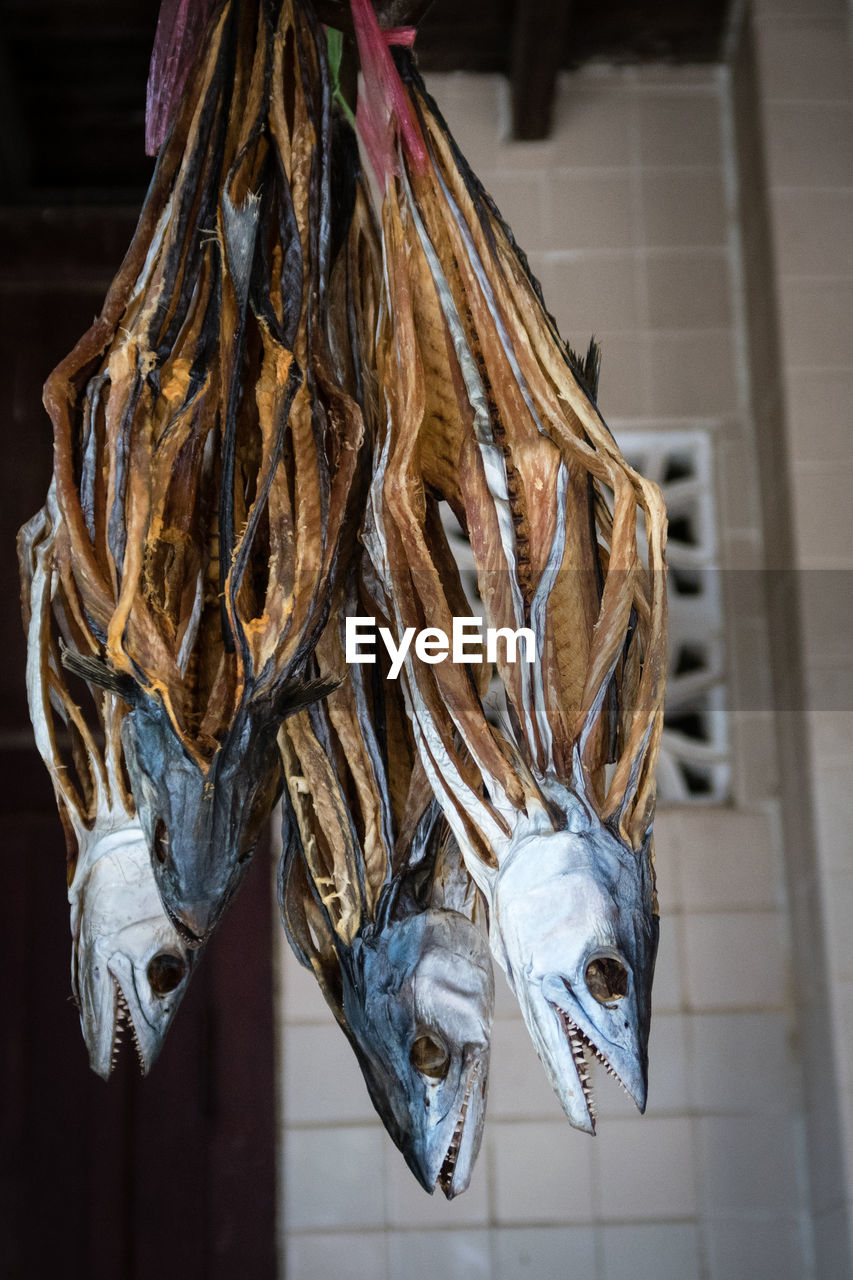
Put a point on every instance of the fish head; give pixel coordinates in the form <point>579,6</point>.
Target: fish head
<point>202,825</point>
<point>575,930</point>
<point>418,998</point>
<point>129,967</point>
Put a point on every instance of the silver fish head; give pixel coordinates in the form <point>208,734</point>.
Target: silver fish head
<point>129,967</point>
<point>202,825</point>
<point>418,999</point>
<point>576,932</point>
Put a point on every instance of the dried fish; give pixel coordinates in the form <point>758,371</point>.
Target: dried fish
<point>206,453</point>
<point>484,408</point>
<point>376,900</point>
<point>129,968</point>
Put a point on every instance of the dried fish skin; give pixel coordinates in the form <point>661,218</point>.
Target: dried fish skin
<point>129,968</point>
<point>376,900</point>
<point>207,456</point>
<point>550,506</point>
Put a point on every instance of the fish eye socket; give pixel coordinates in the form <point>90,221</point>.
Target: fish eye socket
<point>165,973</point>
<point>162,847</point>
<point>429,1056</point>
<point>606,979</point>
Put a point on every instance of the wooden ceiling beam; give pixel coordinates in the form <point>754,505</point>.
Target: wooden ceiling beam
<point>539,32</point>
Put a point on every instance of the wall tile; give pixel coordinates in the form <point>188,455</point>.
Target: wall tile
<point>817,317</point>
<point>543,1253</point>
<point>301,997</point>
<point>668,1072</point>
<point>541,1173</point>
<point>333,1090</point>
<point>670,825</point>
<point>819,414</point>
<point>679,129</point>
<point>826,603</point>
<point>666,1251</point>
<point>453,1255</point>
<point>595,293</point>
<point>842,1010</point>
<point>683,208</point>
<point>357,1255</point>
<point>832,1243</point>
<point>688,291</point>
<point>518,1086</point>
<point>692,374</point>
<point>831,732</point>
<point>645,1169</point>
<point>332,1178</point>
<point>734,960</point>
<point>592,125</point>
<point>738,486</point>
<point>824,516</point>
<point>589,210</point>
<point>810,144</point>
<point>506,1005</point>
<point>742,1062</point>
<point>805,62</point>
<point>834,806</point>
<point>623,389</point>
<point>670,984</point>
<point>814,236</point>
<point>756,1249</point>
<point>754,760</point>
<point>726,860</point>
<point>736,1155</point>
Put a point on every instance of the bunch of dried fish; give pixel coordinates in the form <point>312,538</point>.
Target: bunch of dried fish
<point>205,454</point>
<point>199,552</point>
<point>375,898</point>
<point>483,408</point>
<point>129,967</point>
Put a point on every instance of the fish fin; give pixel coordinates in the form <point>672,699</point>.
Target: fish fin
<point>98,672</point>
<point>294,695</point>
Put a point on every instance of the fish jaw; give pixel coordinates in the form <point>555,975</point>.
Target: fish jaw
<point>564,923</point>
<point>129,967</point>
<point>419,1002</point>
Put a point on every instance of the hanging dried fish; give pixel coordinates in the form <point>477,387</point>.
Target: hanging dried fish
<point>486,410</point>
<point>205,455</point>
<point>129,968</point>
<point>377,902</point>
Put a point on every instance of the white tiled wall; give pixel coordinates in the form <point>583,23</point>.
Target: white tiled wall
<point>805,80</point>
<point>626,214</point>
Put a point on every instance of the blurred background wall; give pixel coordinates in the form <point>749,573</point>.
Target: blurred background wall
<point>698,221</point>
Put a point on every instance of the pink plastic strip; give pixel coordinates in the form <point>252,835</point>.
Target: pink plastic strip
<point>383,107</point>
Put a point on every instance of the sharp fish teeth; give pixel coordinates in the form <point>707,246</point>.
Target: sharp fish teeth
<point>445,1175</point>
<point>580,1043</point>
<point>122,1022</point>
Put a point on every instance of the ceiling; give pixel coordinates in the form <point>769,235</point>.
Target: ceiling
<point>73,73</point>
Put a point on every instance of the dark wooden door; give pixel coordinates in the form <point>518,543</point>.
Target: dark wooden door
<point>172,1177</point>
